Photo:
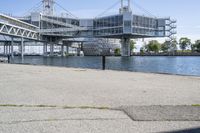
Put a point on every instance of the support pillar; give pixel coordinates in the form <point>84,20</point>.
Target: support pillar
<point>51,49</point>
<point>22,47</point>
<point>9,49</point>
<point>4,49</point>
<point>79,50</point>
<point>81,46</point>
<point>12,48</point>
<point>67,49</point>
<point>45,49</point>
<point>125,47</point>
<point>62,50</point>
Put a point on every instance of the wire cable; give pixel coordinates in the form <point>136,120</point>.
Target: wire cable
<point>115,4</point>
<point>69,13</point>
<point>142,9</point>
<point>31,9</point>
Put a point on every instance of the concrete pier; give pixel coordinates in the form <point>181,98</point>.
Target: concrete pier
<point>67,48</point>
<point>125,47</point>
<point>22,50</point>
<point>4,49</point>
<point>62,50</point>
<point>51,49</point>
<point>12,47</point>
<point>45,49</point>
<point>52,99</point>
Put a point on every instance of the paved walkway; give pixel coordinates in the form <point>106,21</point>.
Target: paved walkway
<point>50,99</point>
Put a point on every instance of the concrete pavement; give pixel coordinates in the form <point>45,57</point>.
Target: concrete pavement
<point>51,99</point>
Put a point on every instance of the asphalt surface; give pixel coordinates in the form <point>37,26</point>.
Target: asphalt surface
<point>59,120</point>
<point>163,113</point>
<point>40,99</point>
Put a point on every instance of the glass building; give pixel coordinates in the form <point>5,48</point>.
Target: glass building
<point>141,26</point>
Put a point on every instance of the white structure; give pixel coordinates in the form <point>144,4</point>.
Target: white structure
<point>52,29</point>
<point>48,7</point>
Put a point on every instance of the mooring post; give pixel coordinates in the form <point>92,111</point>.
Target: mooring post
<point>8,58</point>
<point>103,62</point>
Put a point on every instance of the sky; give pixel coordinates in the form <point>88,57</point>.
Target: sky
<point>186,12</point>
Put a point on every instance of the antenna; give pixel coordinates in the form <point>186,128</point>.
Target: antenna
<point>48,7</point>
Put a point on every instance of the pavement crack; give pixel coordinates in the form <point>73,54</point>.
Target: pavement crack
<point>56,120</point>
<point>55,106</point>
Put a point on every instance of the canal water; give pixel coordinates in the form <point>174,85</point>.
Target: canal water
<point>161,64</point>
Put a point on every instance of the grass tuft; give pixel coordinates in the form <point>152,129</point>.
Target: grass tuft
<point>196,105</point>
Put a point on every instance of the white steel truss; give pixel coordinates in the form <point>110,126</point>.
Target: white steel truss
<point>16,31</point>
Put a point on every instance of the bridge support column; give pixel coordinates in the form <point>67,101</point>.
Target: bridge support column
<point>12,47</point>
<point>67,49</point>
<point>125,47</point>
<point>45,49</point>
<point>4,49</point>
<point>22,47</point>
<point>7,49</point>
<point>81,46</point>
<point>51,49</point>
<point>62,50</point>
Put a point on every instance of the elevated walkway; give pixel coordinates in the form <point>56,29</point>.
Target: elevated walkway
<point>15,28</point>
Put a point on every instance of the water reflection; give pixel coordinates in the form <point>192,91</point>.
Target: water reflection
<point>172,65</point>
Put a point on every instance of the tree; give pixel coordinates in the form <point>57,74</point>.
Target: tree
<point>165,46</point>
<point>153,46</point>
<point>197,46</point>
<point>174,44</point>
<point>184,42</point>
<point>132,46</point>
<point>193,47</point>
<point>117,51</point>
<point>169,46</point>
<point>142,50</point>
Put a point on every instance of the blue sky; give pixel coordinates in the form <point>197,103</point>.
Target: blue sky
<point>186,12</point>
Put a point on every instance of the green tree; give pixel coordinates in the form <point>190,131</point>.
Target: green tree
<point>193,47</point>
<point>165,46</point>
<point>184,42</point>
<point>142,50</point>
<point>153,46</point>
<point>117,51</point>
<point>174,44</point>
<point>169,46</point>
<point>197,46</point>
<point>132,46</point>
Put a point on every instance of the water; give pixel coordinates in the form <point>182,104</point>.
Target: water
<point>172,65</point>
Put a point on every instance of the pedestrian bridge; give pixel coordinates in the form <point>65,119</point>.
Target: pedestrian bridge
<point>13,27</point>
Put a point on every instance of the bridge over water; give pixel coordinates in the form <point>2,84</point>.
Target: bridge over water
<point>50,29</point>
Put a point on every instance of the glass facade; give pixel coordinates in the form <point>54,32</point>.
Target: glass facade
<point>111,25</point>
<point>147,26</point>
<point>141,26</point>
<point>47,25</point>
<point>115,25</point>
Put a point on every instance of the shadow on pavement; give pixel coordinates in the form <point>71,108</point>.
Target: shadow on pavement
<point>192,130</point>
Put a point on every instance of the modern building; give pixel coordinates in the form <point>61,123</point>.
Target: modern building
<point>125,25</point>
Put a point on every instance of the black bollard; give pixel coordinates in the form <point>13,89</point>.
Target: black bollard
<point>8,58</point>
<point>103,62</point>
